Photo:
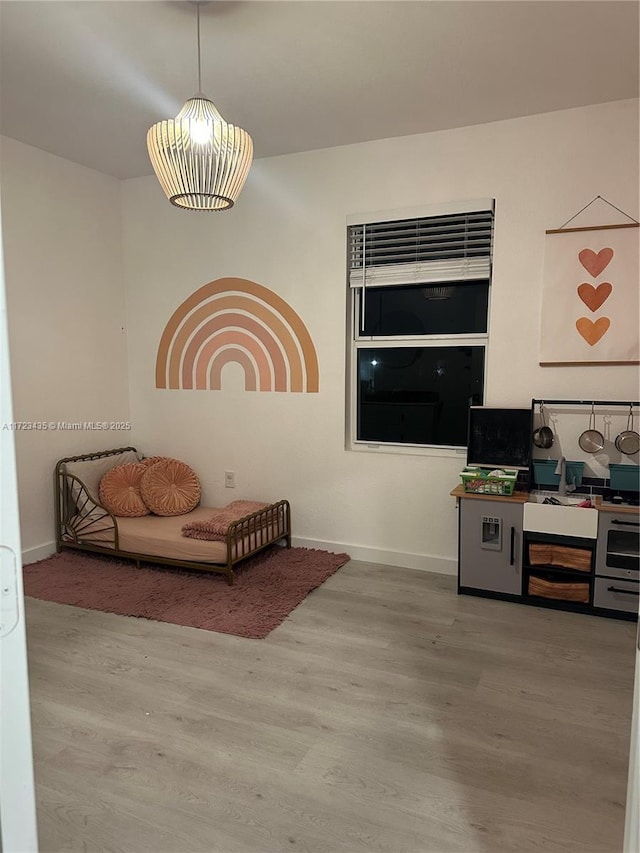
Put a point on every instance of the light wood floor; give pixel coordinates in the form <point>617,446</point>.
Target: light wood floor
<point>386,714</point>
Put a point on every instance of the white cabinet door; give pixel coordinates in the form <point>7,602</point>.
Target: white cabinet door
<point>632,816</point>
<point>18,830</point>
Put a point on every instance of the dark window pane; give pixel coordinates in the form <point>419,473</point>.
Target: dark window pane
<point>418,395</point>
<point>455,308</point>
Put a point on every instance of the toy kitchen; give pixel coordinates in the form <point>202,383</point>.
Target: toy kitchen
<point>548,506</point>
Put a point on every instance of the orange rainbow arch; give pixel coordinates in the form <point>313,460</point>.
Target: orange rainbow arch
<point>236,320</point>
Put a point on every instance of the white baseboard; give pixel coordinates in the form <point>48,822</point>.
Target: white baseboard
<point>423,562</point>
<point>40,552</point>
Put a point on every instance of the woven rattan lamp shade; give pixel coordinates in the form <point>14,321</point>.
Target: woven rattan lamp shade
<point>200,161</point>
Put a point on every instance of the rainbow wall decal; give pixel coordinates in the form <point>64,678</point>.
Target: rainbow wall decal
<point>236,320</point>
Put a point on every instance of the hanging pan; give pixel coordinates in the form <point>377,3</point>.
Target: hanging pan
<point>628,441</point>
<point>591,440</point>
<point>543,436</point>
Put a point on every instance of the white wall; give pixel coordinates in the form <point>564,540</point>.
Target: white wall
<point>288,233</point>
<point>63,237</point>
<point>63,259</point>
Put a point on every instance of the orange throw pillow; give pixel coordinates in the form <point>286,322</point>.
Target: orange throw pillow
<point>119,491</point>
<point>170,487</point>
<point>151,460</point>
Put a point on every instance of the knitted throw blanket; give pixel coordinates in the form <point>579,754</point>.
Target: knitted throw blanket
<point>216,527</point>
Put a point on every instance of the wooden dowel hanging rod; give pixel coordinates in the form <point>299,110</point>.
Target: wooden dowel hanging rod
<point>548,402</point>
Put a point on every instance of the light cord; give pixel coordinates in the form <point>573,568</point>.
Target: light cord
<point>199,61</point>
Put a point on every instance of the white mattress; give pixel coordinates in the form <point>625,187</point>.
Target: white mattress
<point>161,536</point>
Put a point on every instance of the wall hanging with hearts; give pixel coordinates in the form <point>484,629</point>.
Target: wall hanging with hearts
<point>593,269</point>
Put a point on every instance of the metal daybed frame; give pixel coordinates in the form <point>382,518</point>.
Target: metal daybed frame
<point>84,525</point>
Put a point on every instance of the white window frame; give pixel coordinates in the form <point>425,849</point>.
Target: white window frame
<point>356,341</point>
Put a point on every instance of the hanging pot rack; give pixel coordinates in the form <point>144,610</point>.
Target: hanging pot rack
<point>549,402</point>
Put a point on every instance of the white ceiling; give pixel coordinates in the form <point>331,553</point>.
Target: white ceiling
<point>85,80</point>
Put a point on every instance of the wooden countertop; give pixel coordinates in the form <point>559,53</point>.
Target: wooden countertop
<point>516,497</point>
<point>619,509</point>
<point>523,497</point>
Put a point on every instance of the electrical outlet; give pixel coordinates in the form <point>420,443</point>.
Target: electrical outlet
<point>229,480</point>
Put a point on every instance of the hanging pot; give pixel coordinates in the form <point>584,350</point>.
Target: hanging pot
<point>591,440</point>
<point>628,441</point>
<point>543,436</point>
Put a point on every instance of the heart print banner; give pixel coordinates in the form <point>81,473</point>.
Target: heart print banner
<point>590,304</point>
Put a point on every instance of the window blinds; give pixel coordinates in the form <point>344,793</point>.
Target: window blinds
<point>453,247</point>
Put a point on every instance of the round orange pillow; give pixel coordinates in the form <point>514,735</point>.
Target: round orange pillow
<point>170,487</point>
<point>151,460</point>
<point>119,490</point>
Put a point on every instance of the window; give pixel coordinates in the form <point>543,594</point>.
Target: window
<point>419,312</point>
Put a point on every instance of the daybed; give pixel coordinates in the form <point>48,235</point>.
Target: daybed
<point>82,523</point>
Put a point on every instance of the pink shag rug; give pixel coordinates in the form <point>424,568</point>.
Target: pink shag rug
<point>267,588</point>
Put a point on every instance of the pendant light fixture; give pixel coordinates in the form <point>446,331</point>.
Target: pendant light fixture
<point>201,161</point>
